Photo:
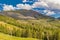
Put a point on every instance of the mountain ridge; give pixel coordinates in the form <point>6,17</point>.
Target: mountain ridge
<point>25,14</point>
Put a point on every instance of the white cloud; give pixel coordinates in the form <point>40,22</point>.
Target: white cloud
<point>40,4</point>
<point>24,6</point>
<point>52,1</point>
<point>53,4</point>
<point>47,4</point>
<point>34,5</point>
<point>48,12</point>
<point>24,0</point>
<point>8,7</point>
<point>30,0</point>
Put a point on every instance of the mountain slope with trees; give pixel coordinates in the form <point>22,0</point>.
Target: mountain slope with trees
<point>42,27</point>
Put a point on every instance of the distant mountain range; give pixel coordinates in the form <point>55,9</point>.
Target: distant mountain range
<point>25,14</point>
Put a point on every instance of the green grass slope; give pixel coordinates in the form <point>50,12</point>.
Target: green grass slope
<point>8,26</point>
<point>8,37</point>
<point>43,28</point>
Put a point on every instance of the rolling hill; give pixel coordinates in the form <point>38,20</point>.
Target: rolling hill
<point>28,25</point>
<point>25,14</point>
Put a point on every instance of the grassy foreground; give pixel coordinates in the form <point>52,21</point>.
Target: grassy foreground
<point>8,37</point>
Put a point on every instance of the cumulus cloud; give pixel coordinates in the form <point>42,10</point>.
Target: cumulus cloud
<point>34,5</point>
<point>24,6</point>
<point>52,1</point>
<point>49,5</point>
<point>18,6</point>
<point>40,4</point>
<point>24,0</point>
<point>29,0</point>
<point>8,7</point>
<point>48,12</point>
<point>53,4</point>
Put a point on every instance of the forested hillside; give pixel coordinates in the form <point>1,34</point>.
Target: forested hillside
<point>42,27</point>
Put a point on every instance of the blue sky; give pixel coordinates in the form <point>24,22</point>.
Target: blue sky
<point>10,2</point>
<point>47,7</point>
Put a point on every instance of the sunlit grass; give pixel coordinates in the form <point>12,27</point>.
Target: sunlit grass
<point>8,37</point>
